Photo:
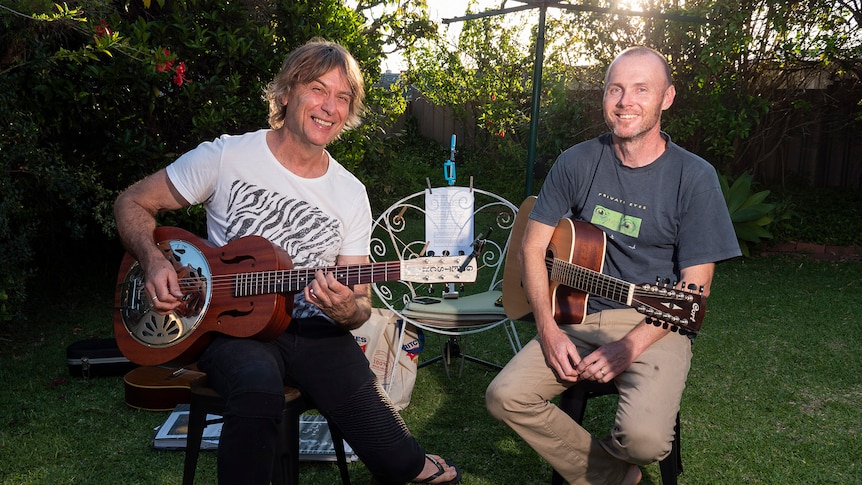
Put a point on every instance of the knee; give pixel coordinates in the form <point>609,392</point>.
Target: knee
<point>252,391</point>
<point>256,405</point>
<point>643,446</point>
<point>503,399</point>
<point>237,366</point>
<point>256,378</point>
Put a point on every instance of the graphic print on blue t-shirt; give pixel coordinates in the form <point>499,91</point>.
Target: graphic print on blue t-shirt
<point>616,221</point>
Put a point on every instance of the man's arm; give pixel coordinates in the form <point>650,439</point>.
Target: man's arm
<point>349,307</point>
<point>135,212</point>
<point>560,353</point>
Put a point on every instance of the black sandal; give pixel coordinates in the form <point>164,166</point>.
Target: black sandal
<point>440,471</point>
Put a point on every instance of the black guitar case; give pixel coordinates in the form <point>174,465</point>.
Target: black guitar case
<point>98,357</point>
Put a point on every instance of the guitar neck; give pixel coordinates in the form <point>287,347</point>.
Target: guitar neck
<point>590,281</point>
<point>294,280</point>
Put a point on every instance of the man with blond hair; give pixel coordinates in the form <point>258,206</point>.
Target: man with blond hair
<point>281,183</point>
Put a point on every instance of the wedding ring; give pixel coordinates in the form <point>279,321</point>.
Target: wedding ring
<point>603,372</point>
<point>155,299</point>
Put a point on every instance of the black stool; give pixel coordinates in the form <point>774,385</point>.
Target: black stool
<point>574,402</point>
<point>285,468</point>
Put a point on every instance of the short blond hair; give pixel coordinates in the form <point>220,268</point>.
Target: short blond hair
<point>307,63</point>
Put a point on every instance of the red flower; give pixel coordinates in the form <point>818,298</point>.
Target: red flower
<point>180,74</point>
<point>102,29</point>
<point>165,62</point>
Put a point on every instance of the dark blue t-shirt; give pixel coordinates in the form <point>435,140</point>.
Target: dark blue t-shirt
<point>658,219</point>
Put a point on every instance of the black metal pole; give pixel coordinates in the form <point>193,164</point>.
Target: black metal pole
<point>537,98</point>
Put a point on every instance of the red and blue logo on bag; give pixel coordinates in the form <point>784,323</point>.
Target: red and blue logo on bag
<point>361,341</point>
<point>413,346</point>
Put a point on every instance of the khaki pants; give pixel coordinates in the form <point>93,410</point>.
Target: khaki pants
<point>650,392</point>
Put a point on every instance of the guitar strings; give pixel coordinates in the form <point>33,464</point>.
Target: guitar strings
<point>585,279</point>
<point>295,279</point>
<point>596,283</point>
<point>565,268</point>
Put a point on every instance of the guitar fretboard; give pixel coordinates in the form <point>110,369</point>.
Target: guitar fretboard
<point>590,281</point>
<point>294,280</point>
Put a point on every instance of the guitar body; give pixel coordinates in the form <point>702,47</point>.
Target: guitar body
<point>243,289</point>
<point>158,388</point>
<point>578,242</point>
<point>205,273</point>
<point>574,260</point>
<point>515,302</point>
<point>581,244</point>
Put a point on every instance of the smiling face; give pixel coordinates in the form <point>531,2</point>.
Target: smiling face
<point>637,90</point>
<point>315,112</point>
<point>310,63</point>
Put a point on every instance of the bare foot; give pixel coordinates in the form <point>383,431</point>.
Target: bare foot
<point>633,476</point>
<point>438,470</point>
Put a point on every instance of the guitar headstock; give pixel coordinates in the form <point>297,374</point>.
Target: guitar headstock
<point>678,309</point>
<point>442,269</point>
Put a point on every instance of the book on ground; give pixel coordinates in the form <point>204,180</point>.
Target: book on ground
<point>315,442</point>
<point>171,435</point>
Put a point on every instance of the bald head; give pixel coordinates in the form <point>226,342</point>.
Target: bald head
<point>641,51</point>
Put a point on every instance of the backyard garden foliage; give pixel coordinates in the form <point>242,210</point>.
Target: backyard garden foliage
<point>95,94</point>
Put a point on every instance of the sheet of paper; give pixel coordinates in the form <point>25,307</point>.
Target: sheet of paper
<point>449,220</point>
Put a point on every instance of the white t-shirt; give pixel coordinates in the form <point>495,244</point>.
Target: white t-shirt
<point>246,191</point>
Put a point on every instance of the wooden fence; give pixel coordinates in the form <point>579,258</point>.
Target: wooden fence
<point>824,150</point>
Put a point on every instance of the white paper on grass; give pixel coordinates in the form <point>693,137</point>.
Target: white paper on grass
<point>315,441</point>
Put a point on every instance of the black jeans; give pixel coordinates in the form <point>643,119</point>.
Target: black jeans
<point>327,365</point>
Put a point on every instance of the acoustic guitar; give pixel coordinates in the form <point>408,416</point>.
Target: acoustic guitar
<point>159,388</point>
<point>242,289</point>
<point>574,260</point>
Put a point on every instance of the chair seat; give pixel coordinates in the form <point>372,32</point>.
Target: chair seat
<point>449,220</point>
<point>466,311</point>
<point>201,387</point>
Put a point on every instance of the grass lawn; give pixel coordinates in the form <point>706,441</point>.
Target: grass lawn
<point>772,397</point>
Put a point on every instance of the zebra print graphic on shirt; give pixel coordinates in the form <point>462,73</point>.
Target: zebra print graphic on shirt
<point>311,237</point>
